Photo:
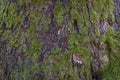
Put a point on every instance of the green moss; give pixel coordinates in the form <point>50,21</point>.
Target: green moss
<point>56,61</point>
<point>35,49</point>
<point>112,71</point>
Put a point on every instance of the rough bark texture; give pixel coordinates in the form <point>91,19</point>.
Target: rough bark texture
<point>57,39</point>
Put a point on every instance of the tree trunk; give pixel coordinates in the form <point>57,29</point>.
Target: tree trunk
<point>39,37</point>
